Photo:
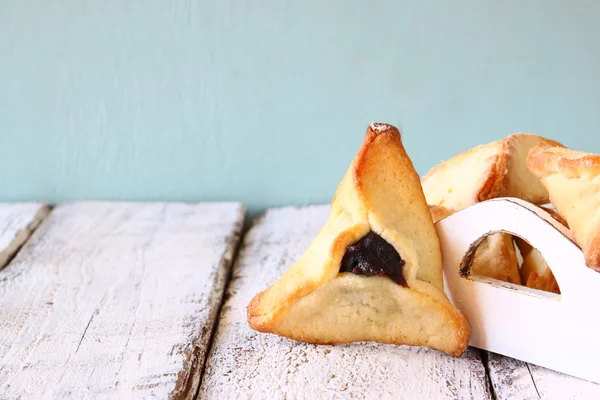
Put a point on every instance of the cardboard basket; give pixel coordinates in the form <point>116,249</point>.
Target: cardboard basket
<point>560,332</point>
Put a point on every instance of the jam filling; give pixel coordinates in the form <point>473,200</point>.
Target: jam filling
<point>372,255</point>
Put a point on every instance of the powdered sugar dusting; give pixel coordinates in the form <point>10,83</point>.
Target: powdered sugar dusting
<point>380,127</point>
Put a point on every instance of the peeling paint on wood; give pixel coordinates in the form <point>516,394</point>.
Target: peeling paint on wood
<point>247,364</point>
<point>510,378</point>
<point>115,300</point>
<point>17,222</point>
<point>514,379</point>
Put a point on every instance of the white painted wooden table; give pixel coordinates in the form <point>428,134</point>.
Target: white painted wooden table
<point>119,300</point>
<point>17,222</point>
<point>246,364</point>
<point>115,300</point>
<point>512,379</point>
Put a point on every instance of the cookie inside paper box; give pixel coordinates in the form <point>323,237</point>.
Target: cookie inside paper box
<point>493,170</point>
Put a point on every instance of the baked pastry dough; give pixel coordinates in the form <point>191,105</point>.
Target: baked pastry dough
<point>535,272</point>
<point>374,271</point>
<point>573,182</point>
<point>495,257</point>
<point>488,171</point>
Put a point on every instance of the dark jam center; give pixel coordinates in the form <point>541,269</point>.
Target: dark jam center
<point>372,255</point>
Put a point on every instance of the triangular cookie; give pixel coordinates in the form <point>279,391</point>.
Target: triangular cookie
<point>374,271</point>
<point>496,258</point>
<point>488,171</point>
<point>535,272</point>
<point>573,182</point>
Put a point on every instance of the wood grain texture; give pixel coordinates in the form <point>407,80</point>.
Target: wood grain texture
<point>247,364</point>
<point>512,379</point>
<point>115,300</point>
<point>17,222</point>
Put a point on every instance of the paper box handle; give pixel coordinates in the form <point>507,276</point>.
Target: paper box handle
<point>464,230</point>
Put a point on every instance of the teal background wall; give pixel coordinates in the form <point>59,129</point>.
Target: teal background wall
<point>267,101</point>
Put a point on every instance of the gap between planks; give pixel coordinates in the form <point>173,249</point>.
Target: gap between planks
<point>17,223</point>
<point>244,230</point>
<point>243,363</point>
<point>512,379</point>
<point>115,299</point>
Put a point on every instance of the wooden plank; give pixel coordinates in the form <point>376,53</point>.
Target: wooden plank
<point>510,378</point>
<point>246,364</point>
<point>115,300</point>
<point>513,379</point>
<point>17,222</point>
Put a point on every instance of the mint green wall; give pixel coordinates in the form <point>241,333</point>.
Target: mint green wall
<point>267,101</point>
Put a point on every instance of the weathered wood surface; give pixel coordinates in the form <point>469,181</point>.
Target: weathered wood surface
<point>246,364</point>
<point>514,379</point>
<point>115,300</point>
<point>17,222</point>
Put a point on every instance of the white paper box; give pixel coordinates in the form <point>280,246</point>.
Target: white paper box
<point>560,332</point>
